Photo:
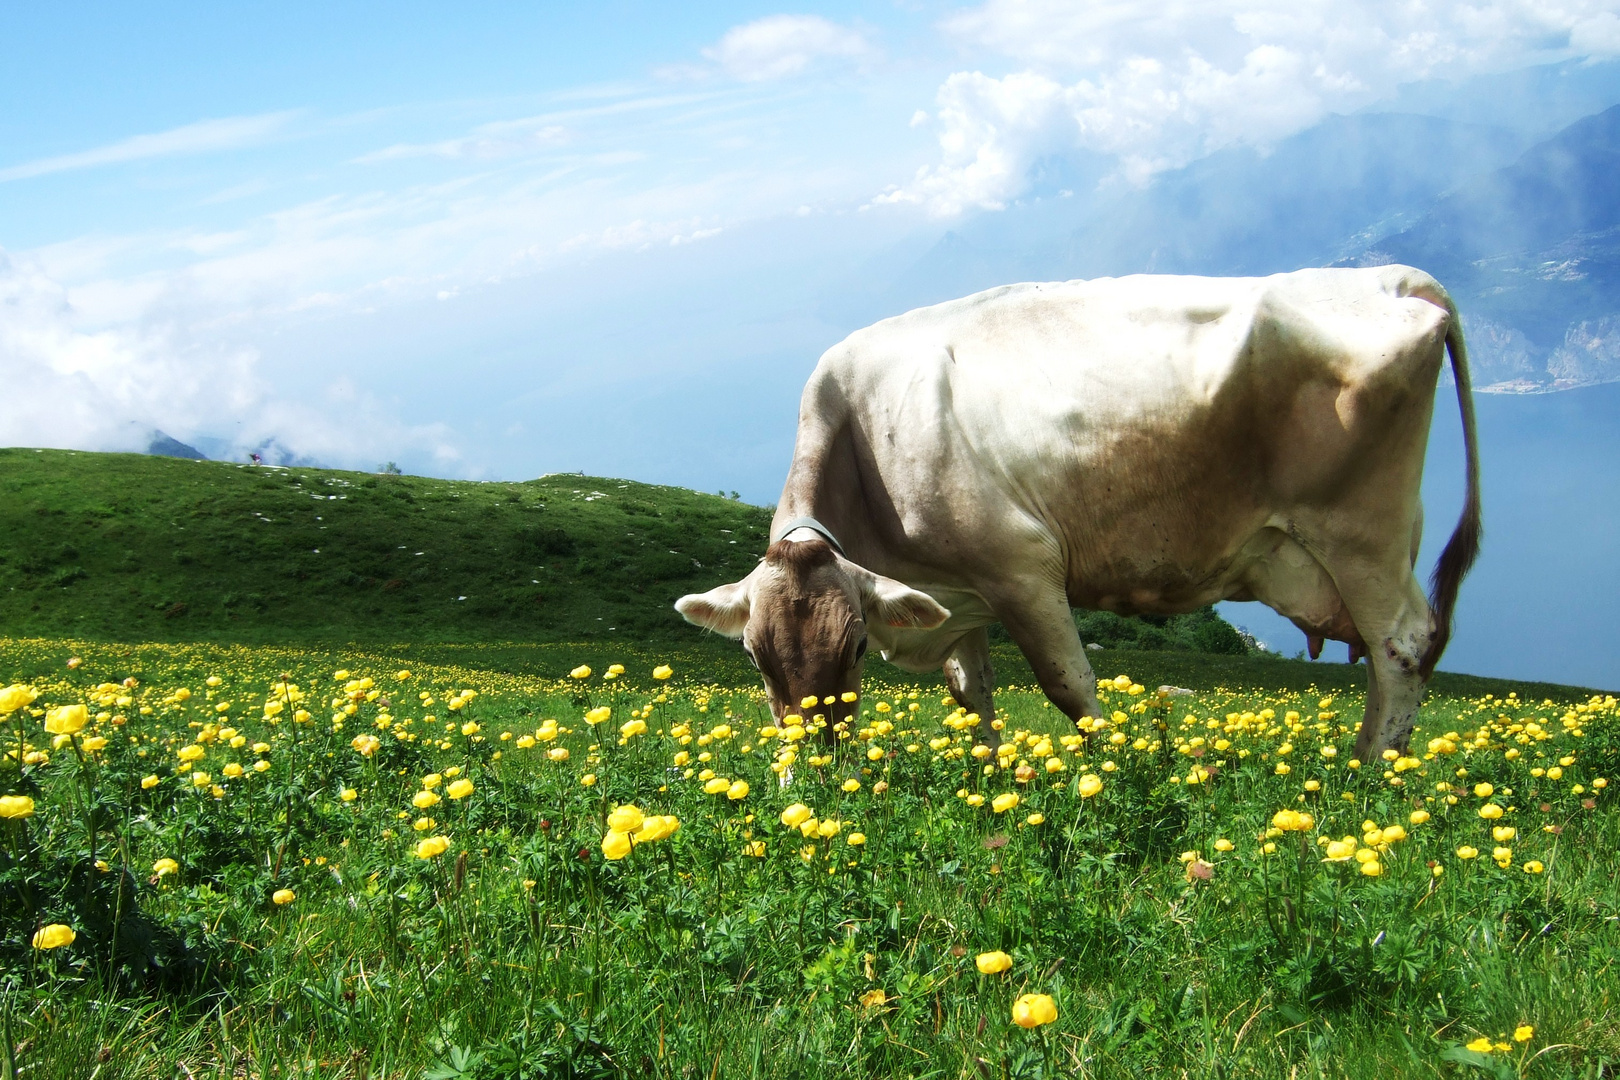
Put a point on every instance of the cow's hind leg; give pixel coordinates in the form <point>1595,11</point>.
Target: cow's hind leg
<point>1043,628</point>
<point>1394,620</point>
<point>973,682</point>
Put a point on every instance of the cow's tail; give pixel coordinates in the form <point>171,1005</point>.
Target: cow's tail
<point>1463,547</point>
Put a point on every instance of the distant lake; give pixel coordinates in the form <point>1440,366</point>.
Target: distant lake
<point>1543,602</point>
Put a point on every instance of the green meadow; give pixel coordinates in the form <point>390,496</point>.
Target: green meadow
<point>275,801</point>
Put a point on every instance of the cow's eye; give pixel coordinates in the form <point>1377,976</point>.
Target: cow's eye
<point>860,649</point>
<point>750,654</point>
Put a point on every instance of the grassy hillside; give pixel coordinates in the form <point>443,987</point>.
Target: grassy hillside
<point>129,547</point>
<point>530,577</point>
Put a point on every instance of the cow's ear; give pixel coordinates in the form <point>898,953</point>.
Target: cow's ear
<point>723,610</point>
<point>894,604</point>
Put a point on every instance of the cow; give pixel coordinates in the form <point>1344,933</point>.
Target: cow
<point>1141,445</point>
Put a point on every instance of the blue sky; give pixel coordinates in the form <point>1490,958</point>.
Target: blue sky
<point>508,239</point>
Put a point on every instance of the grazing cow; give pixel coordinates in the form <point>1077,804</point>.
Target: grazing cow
<point>1143,445</point>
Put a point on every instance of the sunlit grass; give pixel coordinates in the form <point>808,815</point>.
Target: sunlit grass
<point>287,861</point>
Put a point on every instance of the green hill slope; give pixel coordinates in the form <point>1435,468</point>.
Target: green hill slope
<point>534,576</point>
<point>129,547</point>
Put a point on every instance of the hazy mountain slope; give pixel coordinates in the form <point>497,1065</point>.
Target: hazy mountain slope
<point>1532,254</point>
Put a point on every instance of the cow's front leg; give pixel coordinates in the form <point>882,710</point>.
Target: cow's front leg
<point>972,680</point>
<point>1043,628</point>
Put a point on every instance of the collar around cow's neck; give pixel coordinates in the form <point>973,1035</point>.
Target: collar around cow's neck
<point>814,526</point>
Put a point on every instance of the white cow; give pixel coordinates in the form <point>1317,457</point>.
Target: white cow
<point>1143,445</point>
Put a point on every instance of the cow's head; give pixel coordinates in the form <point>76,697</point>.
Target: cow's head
<point>803,615</point>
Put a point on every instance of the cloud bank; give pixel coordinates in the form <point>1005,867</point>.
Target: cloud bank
<point>73,388</point>
<point>1159,84</point>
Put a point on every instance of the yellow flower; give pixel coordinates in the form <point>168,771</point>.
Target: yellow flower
<point>1004,802</point>
<point>54,936</point>
<point>432,780</point>
<point>1372,868</point>
<point>1523,1033</point>
<point>67,719</point>
<point>260,765</point>
<point>460,789</point>
<point>1089,785</point>
<point>1490,811</point>
<point>1035,818</point>
<point>1033,1010</point>
<point>1340,850</point>
<point>597,715</point>
<point>656,827</point>
<point>470,728</point>
<point>191,753</point>
<point>716,786</point>
<point>855,839</point>
<point>589,779</point>
<point>796,815</point>
<point>1483,790</point>
<point>424,799</point>
<point>874,999</point>
<point>829,827</point>
<point>1223,844</point>
<point>1503,855</point>
<point>992,963</point>
<point>1503,833</point>
<point>754,849</point>
<point>1293,821</point>
<point>1466,852</point>
<point>662,672</point>
<point>975,799</point>
<point>15,696</point>
<point>283,896</point>
<point>16,806</point>
<point>431,846</point>
<point>348,794</point>
<point>1534,867</point>
<point>625,819</point>
<point>581,672</point>
<point>738,790</point>
<point>851,785</point>
<point>1418,817</point>
<point>557,753</point>
<point>615,845</point>
<point>1392,833</point>
<point>1481,1045</point>
<point>421,824</point>
<point>201,780</point>
<point>165,866</point>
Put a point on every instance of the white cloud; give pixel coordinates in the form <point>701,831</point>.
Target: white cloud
<point>781,45</point>
<point>107,389</point>
<point>1158,84</point>
<point>200,138</point>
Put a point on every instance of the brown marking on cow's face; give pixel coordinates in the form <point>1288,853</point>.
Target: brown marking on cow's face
<point>806,632</point>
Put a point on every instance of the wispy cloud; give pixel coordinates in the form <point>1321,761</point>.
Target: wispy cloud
<point>778,46</point>
<point>203,137</point>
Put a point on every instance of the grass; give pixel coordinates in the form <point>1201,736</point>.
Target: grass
<point>1170,938</point>
<point>129,547</point>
